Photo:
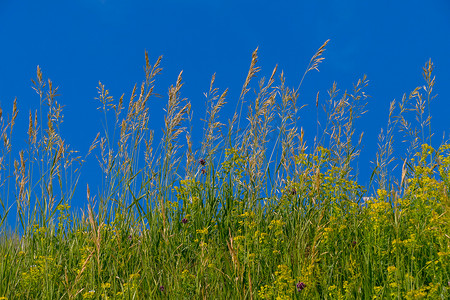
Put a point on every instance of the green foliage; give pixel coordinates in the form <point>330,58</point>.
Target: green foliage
<point>240,220</point>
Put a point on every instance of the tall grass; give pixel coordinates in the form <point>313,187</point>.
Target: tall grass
<point>254,213</point>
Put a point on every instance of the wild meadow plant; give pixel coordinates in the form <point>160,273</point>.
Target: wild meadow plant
<point>254,213</point>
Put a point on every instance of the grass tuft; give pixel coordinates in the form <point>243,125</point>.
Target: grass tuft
<point>256,212</point>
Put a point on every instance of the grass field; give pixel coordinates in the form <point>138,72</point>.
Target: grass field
<point>254,213</point>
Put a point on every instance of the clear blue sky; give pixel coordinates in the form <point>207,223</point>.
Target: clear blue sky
<point>78,43</point>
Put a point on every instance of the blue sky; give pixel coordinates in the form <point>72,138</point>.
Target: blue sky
<point>78,43</point>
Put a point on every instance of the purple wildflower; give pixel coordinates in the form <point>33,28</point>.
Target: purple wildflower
<point>184,221</point>
<point>353,243</point>
<point>300,286</point>
<point>161,288</point>
<point>202,162</point>
<point>203,171</point>
<point>293,192</point>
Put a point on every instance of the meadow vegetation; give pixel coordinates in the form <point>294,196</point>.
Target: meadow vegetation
<point>255,213</point>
